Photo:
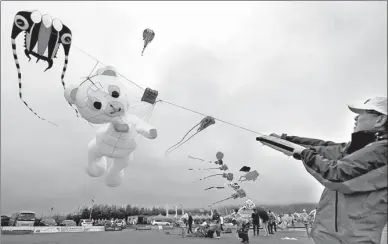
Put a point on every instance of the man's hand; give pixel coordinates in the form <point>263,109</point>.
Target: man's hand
<point>275,135</point>
<point>297,153</point>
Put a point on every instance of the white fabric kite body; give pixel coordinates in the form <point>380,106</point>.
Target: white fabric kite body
<point>103,99</point>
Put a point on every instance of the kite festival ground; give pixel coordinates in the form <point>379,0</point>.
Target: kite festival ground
<point>154,236</point>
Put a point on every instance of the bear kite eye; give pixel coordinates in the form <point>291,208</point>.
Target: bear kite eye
<point>115,94</point>
<point>114,91</point>
<point>94,104</point>
<point>97,105</point>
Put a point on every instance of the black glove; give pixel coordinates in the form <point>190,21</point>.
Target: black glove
<point>298,153</point>
<point>283,136</point>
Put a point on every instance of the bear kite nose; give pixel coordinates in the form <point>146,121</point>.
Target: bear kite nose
<point>114,109</point>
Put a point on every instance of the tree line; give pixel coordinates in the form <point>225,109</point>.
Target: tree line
<point>105,211</point>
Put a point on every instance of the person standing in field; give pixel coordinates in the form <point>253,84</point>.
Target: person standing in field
<point>190,224</point>
<point>255,222</point>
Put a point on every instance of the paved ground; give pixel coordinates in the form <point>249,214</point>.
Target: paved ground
<point>153,236</point>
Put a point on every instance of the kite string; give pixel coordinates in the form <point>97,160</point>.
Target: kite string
<point>170,103</point>
<point>93,68</point>
<point>106,65</point>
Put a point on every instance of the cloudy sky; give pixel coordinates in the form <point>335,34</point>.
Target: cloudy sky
<point>268,66</point>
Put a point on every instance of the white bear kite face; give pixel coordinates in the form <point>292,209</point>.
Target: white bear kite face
<point>100,99</point>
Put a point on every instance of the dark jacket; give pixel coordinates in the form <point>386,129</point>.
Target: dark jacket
<point>353,205</point>
<point>216,218</point>
<point>263,215</point>
<point>190,220</point>
<point>255,219</point>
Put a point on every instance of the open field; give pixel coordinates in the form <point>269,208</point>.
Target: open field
<point>154,236</point>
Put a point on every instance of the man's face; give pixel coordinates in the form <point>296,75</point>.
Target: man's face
<point>366,121</point>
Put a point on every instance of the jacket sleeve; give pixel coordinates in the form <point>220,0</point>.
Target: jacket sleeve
<point>362,171</point>
<point>304,141</point>
<point>327,149</point>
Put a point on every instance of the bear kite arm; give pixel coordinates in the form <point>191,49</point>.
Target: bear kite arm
<point>141,126</point>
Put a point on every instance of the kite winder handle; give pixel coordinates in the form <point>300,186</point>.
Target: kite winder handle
<point>278,144</point>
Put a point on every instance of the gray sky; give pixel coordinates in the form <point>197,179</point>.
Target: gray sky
<point>269,66</point>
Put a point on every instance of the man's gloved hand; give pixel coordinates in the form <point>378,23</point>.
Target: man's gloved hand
<point>282,136</point>
<point>298,151</point>
<point>274,135</point>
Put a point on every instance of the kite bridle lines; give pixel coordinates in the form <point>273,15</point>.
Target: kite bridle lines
<point>165,101</point>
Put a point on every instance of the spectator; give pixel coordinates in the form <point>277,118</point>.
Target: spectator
<point>243,226</point>
<point>216,220</point>
<point>305,220</point>
<point>190,223</point>
<point>222,223</point>
<point>271,222</point>
<point>353,205</point>
<point>264,219</point>
<point>255,222</point>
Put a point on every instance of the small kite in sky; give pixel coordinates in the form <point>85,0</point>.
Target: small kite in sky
<point>240,193</point>
<point>227,176</point>
<point>245,169</point>
<point>149,96</point>
<point>148,36</point>
<point>250,176</point>
<point>203,124</point>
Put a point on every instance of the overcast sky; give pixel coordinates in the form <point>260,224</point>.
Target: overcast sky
<point>269,66</point>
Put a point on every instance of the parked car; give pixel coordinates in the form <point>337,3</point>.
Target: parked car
<point>121,223</point>
<point>22,218</point>
<point>68,222</point>
<point>159,222</point>
<point>38,222</point>
<point>5,220</point>
<point>49,222</point>
<point>86,222</point>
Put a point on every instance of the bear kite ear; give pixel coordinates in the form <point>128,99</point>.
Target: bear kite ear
<point>71,93</point>
<point>107,70</point>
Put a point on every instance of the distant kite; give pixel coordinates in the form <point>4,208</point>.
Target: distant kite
<point>203,124</point>
<point>148,36</point>
<point>149,96</point>
<point>250,176</point>
<point>240,193</point>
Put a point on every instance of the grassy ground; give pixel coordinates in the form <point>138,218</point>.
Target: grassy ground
<point>153,236</point>
<point>150,236</point>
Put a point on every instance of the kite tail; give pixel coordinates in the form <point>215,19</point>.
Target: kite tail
<point>15,56</point>
<point>209,168</point>
<point>167,151</point>
<point>183,142</point>
<point>218,187</point>
<point>196,158</point>
<point>205,169</point>
<point>63,81</point>
<point>207,177</point>
<point>211,176</point>
<point>220,201</point>
<point>145,45</point>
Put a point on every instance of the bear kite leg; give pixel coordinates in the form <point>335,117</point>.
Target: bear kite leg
<point>116,171</point>
<point>96,162</point>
